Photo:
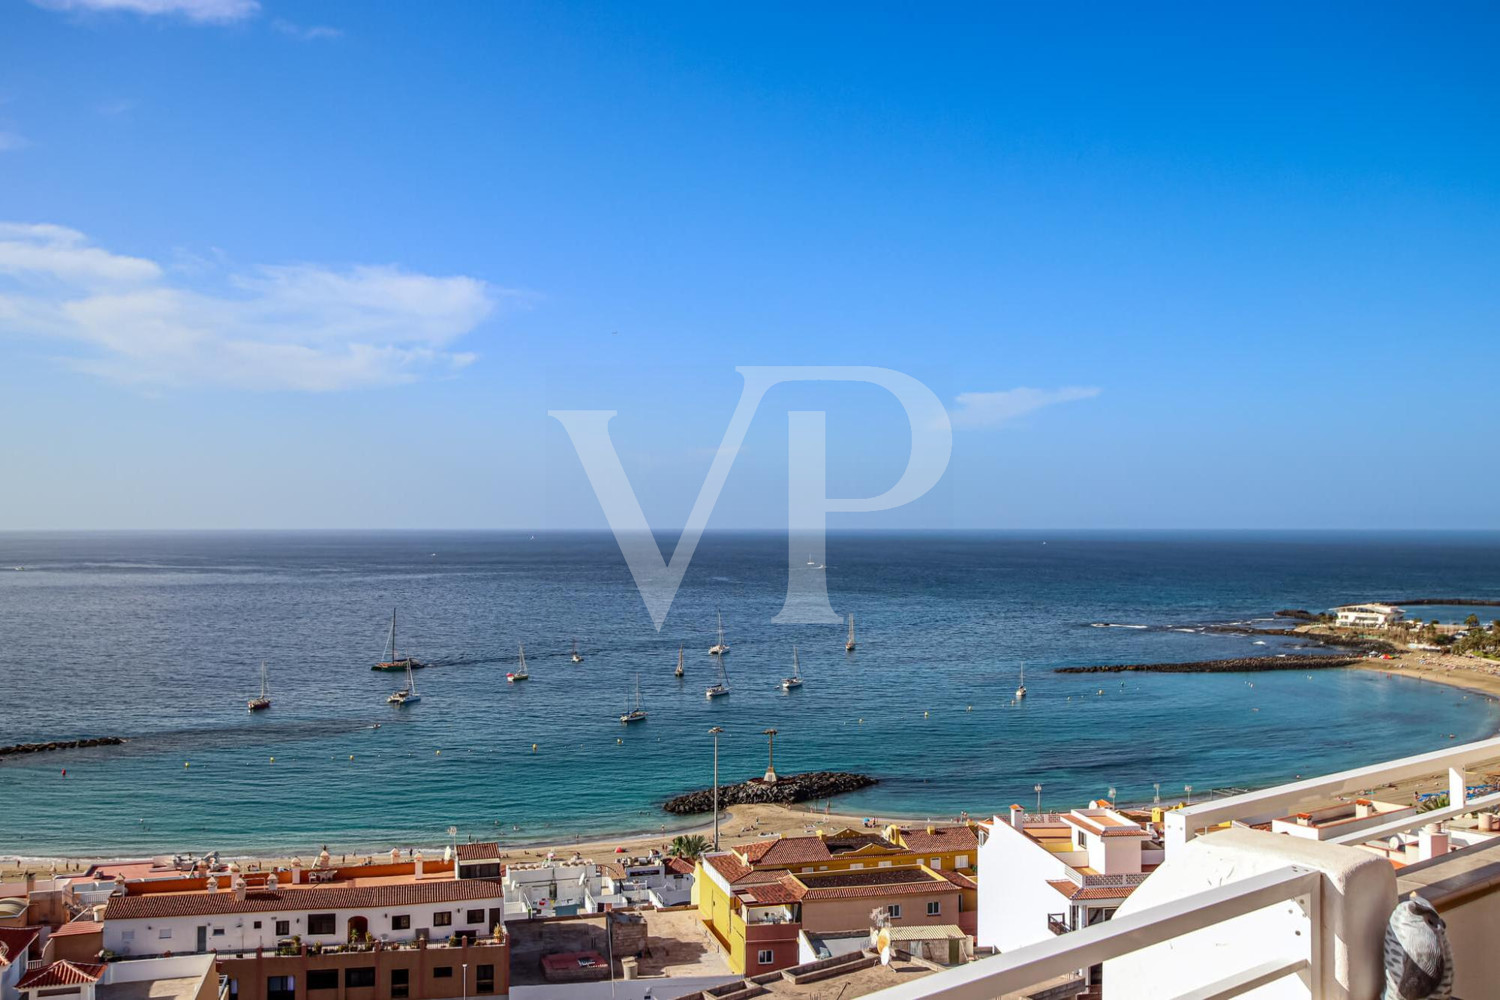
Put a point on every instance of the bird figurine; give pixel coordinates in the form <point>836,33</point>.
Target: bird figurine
<point>1418,960</point>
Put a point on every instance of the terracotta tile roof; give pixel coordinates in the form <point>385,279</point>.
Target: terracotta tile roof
<point>78,927</point>
<point>13,941</point>
<point>960,879</point>
<point>313,897</point>
<point>1092,825</point>
<point>787,890</point>
<point>60,973</point>
<point>727,865</point>
<point>681,866</point>
<point>483,851</point>
<point>1076,893</point>
<point>942,838</point>
<point>870,882</point>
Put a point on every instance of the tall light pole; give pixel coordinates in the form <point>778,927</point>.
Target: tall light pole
<point>714,732</point>
<point>1111,796</point>
<point>466,980</point>
<point>1156,799</point>
<point>1188,791</point>
<point>771,763</point>
<point>1038,789</point>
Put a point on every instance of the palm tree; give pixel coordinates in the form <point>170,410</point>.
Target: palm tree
<point>688,846</point>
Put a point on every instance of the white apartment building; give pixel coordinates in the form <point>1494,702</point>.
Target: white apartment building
<point>1054,873</point>
<point>551,888</point>
<point>1368,615</point>
<point>154,923</point>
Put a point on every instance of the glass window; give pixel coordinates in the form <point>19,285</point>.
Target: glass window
<point>894,911</point>
<point>360,975</point>
<point>281,988</point>
<point>962,861</point>
<point>322,923</point>
<point>443,972</point>
<point>165,934</point>
<point>484,978</point>
<point>401,922</point>
<point>283,928</point>
<point>934,908</point>
<point>256,925</point>
<point>765,956</point>
<point>474,917</point>
<point>442,918</point>
<point>323,979</point>
<point>400,978</point>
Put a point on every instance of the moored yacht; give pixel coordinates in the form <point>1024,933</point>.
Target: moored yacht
<point>263,702</point>
<point>520,673</point>
<point>795,681</point>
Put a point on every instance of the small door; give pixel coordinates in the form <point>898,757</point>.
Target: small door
<point>497,918</point>
<point>203,938</point>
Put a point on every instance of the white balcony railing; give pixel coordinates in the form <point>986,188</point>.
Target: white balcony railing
<point>1184,824</point>
<point>1026,967</point>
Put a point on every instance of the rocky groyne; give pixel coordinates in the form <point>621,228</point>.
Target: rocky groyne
<point>96,741</point>
<point>1244,664</point>
<point>787,789</point>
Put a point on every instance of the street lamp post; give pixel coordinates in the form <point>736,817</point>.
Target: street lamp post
<point>1038,789</point>
<point>1156,799</point>
<point>1188,791</point>
<point>466,980</point>
<point>1111,796</point>
<point>714,732</point>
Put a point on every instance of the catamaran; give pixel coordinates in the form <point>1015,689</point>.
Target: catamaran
<point>1021,690</point>
<point>520,673</point>
<point>849,646</point>
<point>721,647</point>
<point>721,687</point>
<point>393,663</point>
<point>636,714</point>
<point>263,702</point>
<point>794,681</point>
<point>577,656</point>
<point>407,695</point>
<point>678,672</point>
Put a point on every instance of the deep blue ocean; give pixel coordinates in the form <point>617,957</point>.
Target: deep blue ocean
<point>159,638</point>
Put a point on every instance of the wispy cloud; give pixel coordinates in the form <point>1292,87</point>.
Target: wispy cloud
<point>991,409</point>
<point>12,140</point>
<point>208,11</point>
<point>308,33</point>
<point>299,326</point>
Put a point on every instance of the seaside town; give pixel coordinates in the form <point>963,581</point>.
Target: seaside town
<point>765,899</point>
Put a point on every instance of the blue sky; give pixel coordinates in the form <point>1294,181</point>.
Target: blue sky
<point>269,264</point>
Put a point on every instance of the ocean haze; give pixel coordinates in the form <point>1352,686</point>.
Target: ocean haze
<point>159,637</point>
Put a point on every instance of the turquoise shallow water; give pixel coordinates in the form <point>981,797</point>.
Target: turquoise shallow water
<point>159,637</point>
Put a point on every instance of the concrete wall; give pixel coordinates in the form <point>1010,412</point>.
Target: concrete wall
<point>823,915</point>
<point>1358,893</point>
<point>423,967</point>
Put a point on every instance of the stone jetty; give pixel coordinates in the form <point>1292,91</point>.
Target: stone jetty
<point>96,741</point>
<point>1238,665</point>
<point>786,790</point>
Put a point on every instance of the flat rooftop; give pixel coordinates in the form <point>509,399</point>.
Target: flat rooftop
<point>182,988</point>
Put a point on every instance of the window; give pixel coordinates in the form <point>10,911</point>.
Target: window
<point>165,934</point>
<point>443,972</point>
<point>360,975</point>
<point>283,928</point>
<point>937,864</point>
<point>475,917</point>
<point>322,923</point>
<point>934,908</point>
<point>256,925</point>
<point>323,979</point>
<point>893,911</point>
<point>218,932</point>
<point>400,978</point>
<point>484,979</point>
<point>127,936</point>
<point>962,861</point>
<point>765,956</point>
<point>885,864</point>
<point>856,865</point>
<point>401,922</point>
<point>234,989</point>
<point>442,918</point>
<point>281,988</point>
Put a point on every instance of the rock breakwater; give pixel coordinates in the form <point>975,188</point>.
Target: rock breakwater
<point>787,789</point>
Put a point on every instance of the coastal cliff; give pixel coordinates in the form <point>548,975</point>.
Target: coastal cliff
<point>788,789</point>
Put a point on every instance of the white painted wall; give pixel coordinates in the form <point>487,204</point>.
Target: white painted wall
<point>1359,891</point>
<point>1014,897</point>
<point>179,935</point>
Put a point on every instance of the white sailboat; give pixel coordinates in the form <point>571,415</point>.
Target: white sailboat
<point>810,560</point>
<point>721,647</point>
<point>577,656</point>
<point>407,695</point>
<point>1021,690</point>
<point>678,672</point>
<point>636,714</point>
<point>794,681</point>
<point>520,673</point>
<point>721,687</point>
<point>849,646</point>
<point>263,702</point>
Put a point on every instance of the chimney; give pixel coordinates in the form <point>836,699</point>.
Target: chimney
<point>239,888</point>
<point>1018,817</point>
<point>296,871</point>
<point>1432,842</point>
<point>931,829</point>
<point>418,861</point>
<point>30,882</point>
<point>213,883</point>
